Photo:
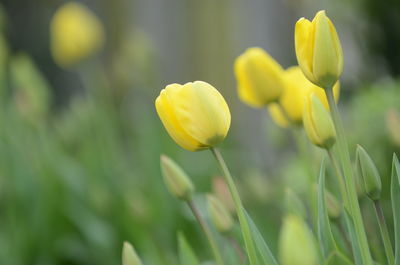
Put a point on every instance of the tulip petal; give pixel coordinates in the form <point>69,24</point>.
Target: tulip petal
<point>325,59</point>
<point>167,115</point>
<point>304,45</point>
<point>202,112</point>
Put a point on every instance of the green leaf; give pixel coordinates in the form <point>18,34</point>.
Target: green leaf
<point>337,258</point>
<point>395,194</point>
<point>186,253</point>
<point>263,250</point>
<point>353,237</point>
<point>325,235</point>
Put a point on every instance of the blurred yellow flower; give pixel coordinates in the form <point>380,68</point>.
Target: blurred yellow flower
<point>76,33</point>
<point>297,87</point>
<point>318,50</point>
<point>259,77</point>
<point>195,114</point>
<point>318,123</point>
<point>296,243</point>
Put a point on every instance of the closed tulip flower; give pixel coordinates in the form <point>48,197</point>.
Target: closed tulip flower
<point>318,123</point>
<point>292,100</point>
<point>259,77</point>
<point>318,50</point>
<point>195,114</point>
<point>76,33</point>
<point>297,243</point>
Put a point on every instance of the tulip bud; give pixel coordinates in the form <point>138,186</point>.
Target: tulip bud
<point>296,243</point>
<point>318,50</point>
<point>129,256</point>
<point>221,191</point>
<point>176,180</point>
<point>318,123</point>
<point>195,115</point>
<point>76,33</point>
<point>369,174</point>
<point>259,77</point>
<point>220,216</point>
<point>333,206</point>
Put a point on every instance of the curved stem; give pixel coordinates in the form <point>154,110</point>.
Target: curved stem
<point>384,232</point>
<point>213,244</point>
<point>244,225</point>
<point>353,204</point>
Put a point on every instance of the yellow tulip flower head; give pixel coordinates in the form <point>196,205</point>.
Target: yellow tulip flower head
<point>259,77</point>
<point>318,123</point>
<point>76,33</point>
<point>195,114</point>
<point>318,50</point>
<point>292,99</point>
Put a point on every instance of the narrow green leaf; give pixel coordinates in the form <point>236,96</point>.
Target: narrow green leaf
<point>395,194</point>
<point>262,248</point>
<point>353,237</point>
<point>325,234</point>
<point>337,258</point>
<point>186,253</point>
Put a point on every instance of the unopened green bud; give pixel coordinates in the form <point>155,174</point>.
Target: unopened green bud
<point>294,205</point>
<point>333,206</point>
<point>129,255</point>
<point>220,216</point>
<point>318,123</point>
<point>296,243</point>
<point>369,174</point>
<point>176,180</point>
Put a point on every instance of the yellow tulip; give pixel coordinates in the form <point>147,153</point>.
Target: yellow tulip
<point>292,99</point>
<point>259,77</point>
<point>76,33</point>
<point>318,123</point>
<point>195,114</point>
<point>318,50</point>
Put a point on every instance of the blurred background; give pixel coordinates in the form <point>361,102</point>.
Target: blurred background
<point>80,140</point>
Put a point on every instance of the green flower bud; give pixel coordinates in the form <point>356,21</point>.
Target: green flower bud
<point>176,180</point>
<point>296,243</point>
<point>318,123</point>
<point>129,256</point>
<point>220,216</point>
<point>369,174</point>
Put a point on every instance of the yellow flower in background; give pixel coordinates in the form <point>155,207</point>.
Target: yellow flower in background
<point>259,77</point>
<point>195,114</point>
<point>297,87</point>
<point>318,123</point>
<point>296,243</point>
<point>76,33</point>
<point>318,50</point>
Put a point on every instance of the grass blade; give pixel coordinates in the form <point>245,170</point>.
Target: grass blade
<point>395,194</point>
<point>325,234</point>
<point>186,253</point>
<point>262,248</point>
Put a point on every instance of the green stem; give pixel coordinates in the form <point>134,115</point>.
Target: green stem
<point>353,204</point>
<point>244,225</point>
<point>342,184</point>
<point>384,232</point>
<point>213,244</point>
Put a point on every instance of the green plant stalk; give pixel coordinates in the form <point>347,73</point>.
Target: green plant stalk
<point>384,232</point>
<point>213,244</point>
<point>244,225</point>
<point>342,184</point>
<point>353,204</point>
